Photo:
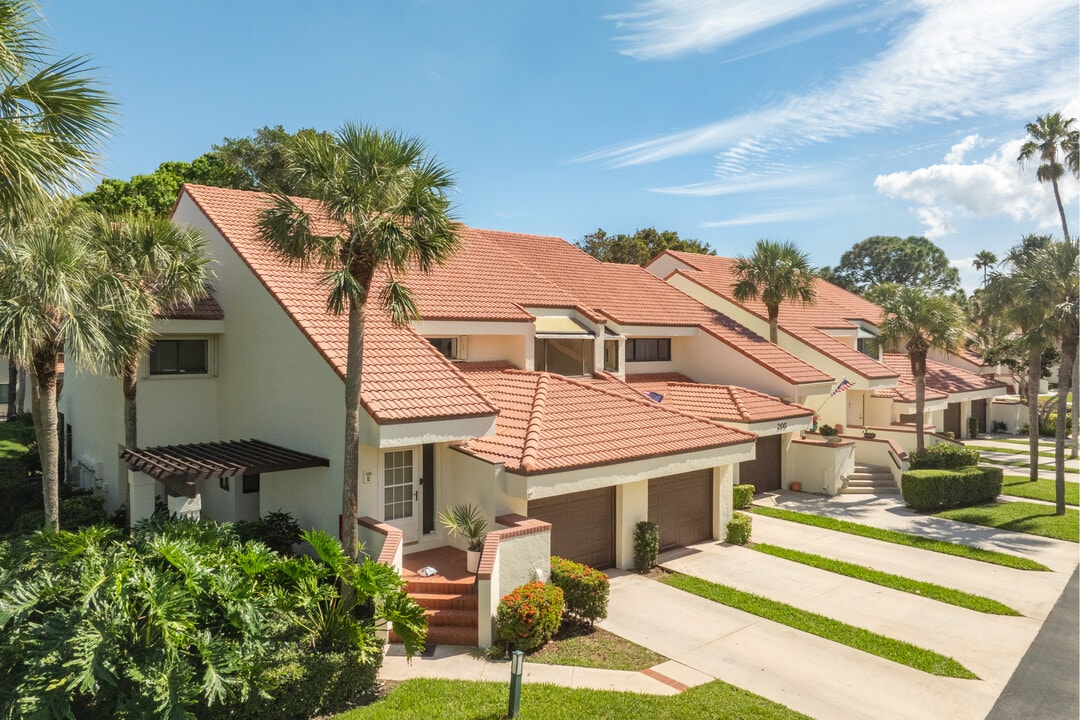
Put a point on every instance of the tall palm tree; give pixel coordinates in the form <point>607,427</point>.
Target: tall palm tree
<point>1017,296</point>
<point>1053,133</point>
<point>52,115</point>
<point>917,322</point>
<point>984,260</point>
<point>55,291</point>
<point>387,200</point>
<point>160,265</point>
<point>775,272</point>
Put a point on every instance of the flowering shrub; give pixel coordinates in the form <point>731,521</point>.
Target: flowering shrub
<point>529,615</point>
<point>585,589</point>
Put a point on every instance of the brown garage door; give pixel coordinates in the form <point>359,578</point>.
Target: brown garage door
<point>978,410</point>
<point>582,525</point>
<point>681,506</point>
<point>952,419</point>
<point>763,472</point>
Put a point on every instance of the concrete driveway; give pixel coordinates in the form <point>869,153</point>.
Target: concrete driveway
<point>821,678</point>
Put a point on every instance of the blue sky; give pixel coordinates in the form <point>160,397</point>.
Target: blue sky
<point>817,121</point>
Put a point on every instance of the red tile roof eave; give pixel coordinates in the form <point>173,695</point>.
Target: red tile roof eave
<point>886,375</point>
<point>584,466</point>
<point>783,376</point>
<point>434,418</point>
<point>262,281</point>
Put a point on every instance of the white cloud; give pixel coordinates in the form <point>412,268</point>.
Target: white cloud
<point>955,59</point>
<point>956,154</point>
<point>994,186</point>
<point>776,216</point>
<point>733,184</point>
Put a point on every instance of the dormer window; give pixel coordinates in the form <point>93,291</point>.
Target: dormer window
<point>448,346</point>
<point>648,350</point>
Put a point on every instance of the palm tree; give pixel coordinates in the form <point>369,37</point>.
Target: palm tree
<point>387,200</point>
<point>1051,134</point>
<point>160,265</point>
<point>984,260</point>
<point>917,322</point>
<point>55,292</point>
<point>775,272</point>
<point>1017,297</point>
<point>52,116</point>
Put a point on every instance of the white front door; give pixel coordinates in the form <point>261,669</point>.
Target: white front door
<point>401,491</point>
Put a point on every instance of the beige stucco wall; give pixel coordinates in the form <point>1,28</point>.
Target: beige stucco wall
<point>93,406</point>
<point>497,347</point>
<point>821,468</point>
<point>708,360</point>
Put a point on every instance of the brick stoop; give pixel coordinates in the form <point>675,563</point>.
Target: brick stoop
<point>449,597</point>
<point>870,480</point>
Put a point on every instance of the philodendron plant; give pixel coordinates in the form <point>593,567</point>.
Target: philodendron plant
<point>466,521</point>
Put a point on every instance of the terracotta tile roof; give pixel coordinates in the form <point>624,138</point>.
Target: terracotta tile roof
<point>405,377</point>
<point>726,403</point>
<point>550,423</point>
<point>835,309</point>
<point>205,308</point>
<point>941,379</point>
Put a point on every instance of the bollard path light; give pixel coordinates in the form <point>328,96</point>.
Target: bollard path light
<point>517,660</point>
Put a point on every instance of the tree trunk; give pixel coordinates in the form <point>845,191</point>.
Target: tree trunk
<point>13,384</point>
<point>1065,373</point>
<point>1074,452</point>
<point>20,393</point>
<point>920,407</point>
<point>131,425</point>
<point>44,378</point>
<point>1034,374</point>
<point>1061,209</point>
<point>774,325</point>
<point>351,466</point>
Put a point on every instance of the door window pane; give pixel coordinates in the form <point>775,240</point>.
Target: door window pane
<point>398,485</point>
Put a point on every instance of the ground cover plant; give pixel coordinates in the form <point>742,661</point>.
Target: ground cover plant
<point>906,539</point>
<point>889,580</point>
<point>1018,486</point>
<point>870,642</point>
<point>582,645</point>
<point>1024,517</point>
<point>464,700</point>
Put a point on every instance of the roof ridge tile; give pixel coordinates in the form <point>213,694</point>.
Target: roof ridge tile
<point>536,420</point>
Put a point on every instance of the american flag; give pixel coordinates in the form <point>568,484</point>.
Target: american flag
<point>844,385</point>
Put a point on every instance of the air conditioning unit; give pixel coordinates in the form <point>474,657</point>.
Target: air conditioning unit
<point>88,473</point>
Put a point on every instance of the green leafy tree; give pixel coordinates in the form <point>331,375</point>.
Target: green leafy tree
<point>55,293</point>
<point>159,266</point>
<point>879,260</point>
<point>1052,134</point>
<point>985,261</point>
<point>775,272</point>
<point>155,193</point>
<point>389,211</point>
<point>53,116</point>
<point>639,248</point>
<point>917,321</point>
<point>261,160</point>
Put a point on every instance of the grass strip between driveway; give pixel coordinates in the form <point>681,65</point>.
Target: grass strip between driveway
<point>984,448</point>
<point>468,700</point>
<point>1024,517</point>
<point>1041,489</point>
<point>940,593</point>
<point>1015,463</point>
<point>901,538</point>
<point>874,643</point>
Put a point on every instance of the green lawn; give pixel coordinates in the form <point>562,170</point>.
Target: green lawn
<point>9,447</point>
<point>1024,517</point>
<point>896,582</point>
<point>982,448</point>
<point>593,647</point>
<point>1021,486</point>
<point>1043,442</point>
<point>900,538</point>
<point>855,637</point>
<point>1021,463</point>
<point>425,699</point>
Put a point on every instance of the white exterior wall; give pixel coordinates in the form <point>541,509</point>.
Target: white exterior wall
<point>94,408</point>
<point>1012,412</point>
<point>631,507</point>
<point>707,360</point>
<point>497,347</point>
<point>821,468</point>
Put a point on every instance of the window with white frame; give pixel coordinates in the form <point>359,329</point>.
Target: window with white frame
<point>448,346</point>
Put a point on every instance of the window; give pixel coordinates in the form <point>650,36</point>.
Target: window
<point>448,346</point>
<point>398,485</point>
<point>565,356</point>
<point>251,484</point>
<point>868,346</point>
<point>648,350</point>
<point>3,394</point>
<point>179,357</point>
<point>611,355</point>
<point>223,483</point>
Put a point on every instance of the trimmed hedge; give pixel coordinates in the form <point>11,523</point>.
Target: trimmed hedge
<point>742,496</point>
<point>936,489</point>
<point>585,589</point>
<point>738,530</point>
<point>646,545</point>
<point>945,456</point>
<point>529,615</point>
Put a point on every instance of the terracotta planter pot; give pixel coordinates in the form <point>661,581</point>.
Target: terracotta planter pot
<point>795,486</point>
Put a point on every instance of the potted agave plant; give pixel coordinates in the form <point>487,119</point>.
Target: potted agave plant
<point>468,522</point>
<point>831,434</point>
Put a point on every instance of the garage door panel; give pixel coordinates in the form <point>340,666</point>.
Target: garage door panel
<point>682,508</point>
<point>763,472</point>
<point>582,525</point>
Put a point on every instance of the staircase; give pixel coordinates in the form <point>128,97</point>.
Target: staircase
<point>449,597</point>
<point>870,480</point>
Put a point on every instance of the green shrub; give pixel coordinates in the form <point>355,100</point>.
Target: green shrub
<point>646,545</point>
<point>939,488</point>
<point>81,509</point>
<point>973,428</point>
<point>529,615</point>
<point>585,589</point>
<point>278,531</point>
<point>827,430</point>
<point>738,530</point>
<point>1048,424</point>
<point>742,496</point>
<point>998,426</point>
<point>944,456</point>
